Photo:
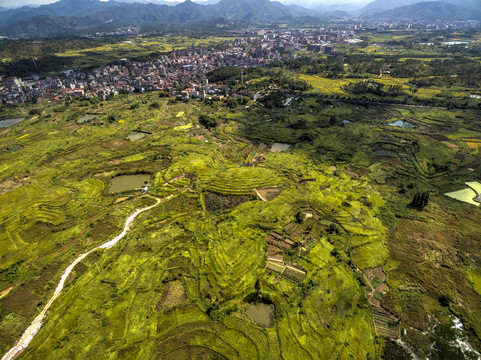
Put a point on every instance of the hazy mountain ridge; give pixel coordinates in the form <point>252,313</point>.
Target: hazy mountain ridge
<point>58,9</point>
<point>154,2</point>
<point>378,6</point>
<point>67,15</point>
<point>338,14</point>
<point>430,11</point>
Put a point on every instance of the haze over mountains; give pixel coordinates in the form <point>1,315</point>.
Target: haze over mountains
<point>431,11</point>
<point>67,17</point>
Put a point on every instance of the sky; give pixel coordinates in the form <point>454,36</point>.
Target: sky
<point>16,3</point>
<point>8,3</point>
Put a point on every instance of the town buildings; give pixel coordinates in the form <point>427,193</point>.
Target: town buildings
<point>182,72</point>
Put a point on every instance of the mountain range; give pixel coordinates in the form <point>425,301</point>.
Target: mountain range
<point>71,17</point>
<point>66,16</point>
<point>379,6</point>
<point>428,11</point>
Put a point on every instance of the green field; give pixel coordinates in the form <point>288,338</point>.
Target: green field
<point>136,47</point>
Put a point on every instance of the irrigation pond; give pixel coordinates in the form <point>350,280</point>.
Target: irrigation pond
<point>279,147</point>
<point>10,122</point>
<point>128,182</point>
<point>262,314</point>
<point>403,124</point>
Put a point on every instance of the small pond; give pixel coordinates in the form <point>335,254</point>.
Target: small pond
<point>403,124</point>
<point>85,118</point>
<point>385,152</point>
<point>10,122</point>
<point>135,136</point>
<point>288,101</point>
<point>279,147</point>
<point>446,43</point>
<point>455,42</point>
<point>262,314</point>
<point>128,182</point>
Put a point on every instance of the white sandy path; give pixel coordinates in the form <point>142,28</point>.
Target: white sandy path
<point>36,324</point>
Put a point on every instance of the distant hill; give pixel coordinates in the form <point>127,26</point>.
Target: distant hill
<point>430,11</point>
<point>297,10</point>
<point>67,17</point>
<point>307,4</point>
<point>337,14</point>
<point>57,9</point>
<point>378,6</point>
<point>155,2</point>
<point>326,6</point>
<point>469,4</point>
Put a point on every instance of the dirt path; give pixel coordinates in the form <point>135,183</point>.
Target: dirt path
<point>5,292</point>
<point>260,196</point>
<point>36,324</point>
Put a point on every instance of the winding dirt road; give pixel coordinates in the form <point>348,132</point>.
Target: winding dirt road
<point>36,324</point>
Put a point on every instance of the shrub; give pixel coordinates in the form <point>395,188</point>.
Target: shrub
<point>207,121</point>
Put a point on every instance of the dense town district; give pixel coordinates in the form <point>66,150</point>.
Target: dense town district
<point>179,70</point>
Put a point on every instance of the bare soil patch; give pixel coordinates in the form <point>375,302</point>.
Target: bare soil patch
<point>163,122</point>
<point>70,128</point>
<point>105,227</point>
<point>269,194</point>
<point>12,184</point>
<point>214,202</point>
<point>172,296</point>
<point>32,234</point>
<point>113,162</point>
<point>5,292</point>
<point>116,144</point>
<point>21,302</point>
<point>187,352</point>
<point>430,256</point>
<point>450,145</point>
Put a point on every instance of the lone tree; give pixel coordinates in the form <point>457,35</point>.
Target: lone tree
<point>420,200</point>
<point>207,121</point>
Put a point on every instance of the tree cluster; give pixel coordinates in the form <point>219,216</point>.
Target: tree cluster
<point>375,88</point>
<point>420,200</point>
<point>207,121</point>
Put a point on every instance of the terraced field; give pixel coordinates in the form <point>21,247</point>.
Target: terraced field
<point>242,181</point>
<point>179,284</point>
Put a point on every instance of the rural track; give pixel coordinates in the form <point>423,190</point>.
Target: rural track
<point>36,324</point>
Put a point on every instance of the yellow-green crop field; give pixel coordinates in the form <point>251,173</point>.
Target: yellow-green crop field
<point>136,47</point>
<point>326,86</point>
